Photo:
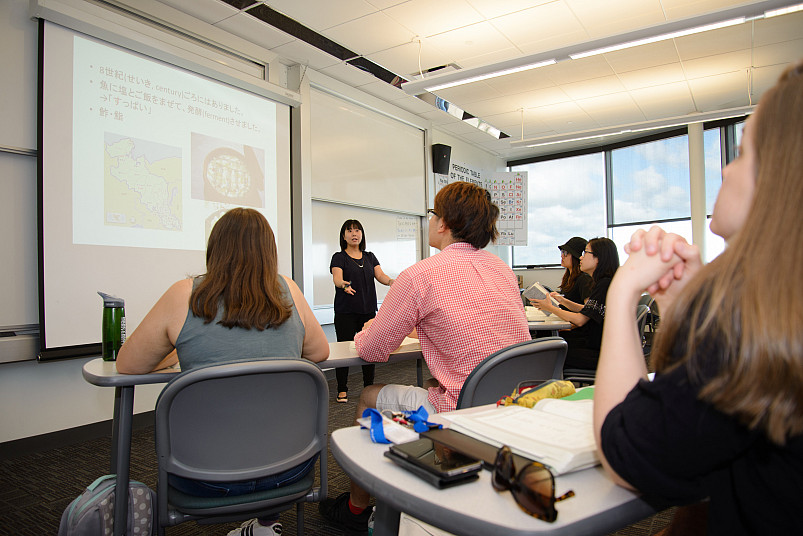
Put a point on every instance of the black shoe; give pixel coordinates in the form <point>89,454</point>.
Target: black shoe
<point>337,511</point>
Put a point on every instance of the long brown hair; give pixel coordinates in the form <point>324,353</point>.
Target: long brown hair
<point>242,272</point>
<point>739,321</point>
<point>570,275</point>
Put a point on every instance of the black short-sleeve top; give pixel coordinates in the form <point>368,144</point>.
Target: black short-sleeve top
<point>360,273</point>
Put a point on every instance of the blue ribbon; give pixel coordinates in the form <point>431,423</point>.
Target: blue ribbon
<point>418,418</point>
<point>376,430</point>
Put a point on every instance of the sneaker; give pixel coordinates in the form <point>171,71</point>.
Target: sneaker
<point>342,397</point>
<point>337,511</point>
<point>253,528</point>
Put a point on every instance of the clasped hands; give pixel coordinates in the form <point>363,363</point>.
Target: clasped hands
<point>660,263</point>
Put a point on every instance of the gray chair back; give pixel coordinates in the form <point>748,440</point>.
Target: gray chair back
<point>499,373</point>
<point>241,421</point>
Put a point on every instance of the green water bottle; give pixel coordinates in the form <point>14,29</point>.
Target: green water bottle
<point>113,326</point>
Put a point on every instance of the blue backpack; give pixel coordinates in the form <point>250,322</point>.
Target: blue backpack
<point>92,512</point>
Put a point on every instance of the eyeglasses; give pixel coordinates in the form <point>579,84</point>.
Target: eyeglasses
<point>586,251</point>
<point>564,253</point>
<point>533,487</point>
<point>432,211</point>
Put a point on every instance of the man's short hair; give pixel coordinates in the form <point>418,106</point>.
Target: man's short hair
<point>468,212</point>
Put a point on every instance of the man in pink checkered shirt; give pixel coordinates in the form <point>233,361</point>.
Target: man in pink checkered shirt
<point>463,304</point>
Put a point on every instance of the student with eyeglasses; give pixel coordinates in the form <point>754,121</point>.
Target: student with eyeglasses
<point>599,260</point>
<point>722,421</point>
<point>576,284</point>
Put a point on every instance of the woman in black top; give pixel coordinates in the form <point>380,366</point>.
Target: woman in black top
<point>600,260</point>
<point>353,272</point>
<point>722,420</point>
<point>576,284</point>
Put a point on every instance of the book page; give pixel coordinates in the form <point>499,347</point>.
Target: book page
<point>564,444</point>
<point>577,410</point>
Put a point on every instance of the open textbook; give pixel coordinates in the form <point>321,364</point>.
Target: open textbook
<point>555,432</point>
<point>537,291</point>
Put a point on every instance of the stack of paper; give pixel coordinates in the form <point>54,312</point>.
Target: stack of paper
<point>557,433</point>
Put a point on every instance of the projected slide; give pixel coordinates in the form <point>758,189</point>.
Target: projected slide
<point>157,150</point>
<point>140,158</point>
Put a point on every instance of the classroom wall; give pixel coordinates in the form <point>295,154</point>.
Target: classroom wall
<point>39,398</point>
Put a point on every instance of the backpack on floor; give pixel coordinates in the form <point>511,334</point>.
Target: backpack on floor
<point>92,512</point>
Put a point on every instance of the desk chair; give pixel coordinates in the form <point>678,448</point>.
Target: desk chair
<point>588,376</point>
<point>499,373</point>
<point>241,421</point>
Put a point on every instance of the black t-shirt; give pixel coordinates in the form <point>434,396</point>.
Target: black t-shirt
<point>589,335</point>
<point>361,279</point>
<point>677,449</point>
<point>580,290</point>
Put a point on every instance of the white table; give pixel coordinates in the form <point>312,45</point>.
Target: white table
<point>104,374</point>
<point>599,506</point>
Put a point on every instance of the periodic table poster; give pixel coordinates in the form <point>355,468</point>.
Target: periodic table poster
<point>508,191</point>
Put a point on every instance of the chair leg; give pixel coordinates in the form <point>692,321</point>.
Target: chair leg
<point>300,519</point>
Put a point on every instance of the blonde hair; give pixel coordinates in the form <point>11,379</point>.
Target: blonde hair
<point>740,321</point>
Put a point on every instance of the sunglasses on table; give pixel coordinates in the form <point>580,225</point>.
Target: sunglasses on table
<point>533,487</point>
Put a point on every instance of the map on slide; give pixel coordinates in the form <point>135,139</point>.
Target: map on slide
<point>142,184</point>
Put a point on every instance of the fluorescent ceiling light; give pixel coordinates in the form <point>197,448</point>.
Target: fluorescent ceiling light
<point>656,38</point>
<point>492,74</point>
<point>783,11</point>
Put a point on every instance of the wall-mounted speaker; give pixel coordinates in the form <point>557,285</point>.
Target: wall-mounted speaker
<point>440,158</point>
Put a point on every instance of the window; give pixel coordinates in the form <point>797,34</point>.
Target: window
<point>647,183</point>
<point>566,199</point>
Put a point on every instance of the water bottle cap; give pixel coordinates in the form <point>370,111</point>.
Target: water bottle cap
<point>111,301</point>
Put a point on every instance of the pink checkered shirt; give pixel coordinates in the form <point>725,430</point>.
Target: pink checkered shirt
<point>465,305</point>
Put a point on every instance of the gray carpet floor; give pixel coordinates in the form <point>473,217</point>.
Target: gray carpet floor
<point>35,489</point>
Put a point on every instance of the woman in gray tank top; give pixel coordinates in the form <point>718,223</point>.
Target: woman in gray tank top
<point>241,308</point>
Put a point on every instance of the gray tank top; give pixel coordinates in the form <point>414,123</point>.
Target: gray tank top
<point>200,344</point>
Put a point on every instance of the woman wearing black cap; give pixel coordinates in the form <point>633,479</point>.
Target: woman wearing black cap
<point>600,260</point>
<point>576,284</point>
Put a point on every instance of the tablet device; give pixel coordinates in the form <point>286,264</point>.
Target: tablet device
<point>438,464</point>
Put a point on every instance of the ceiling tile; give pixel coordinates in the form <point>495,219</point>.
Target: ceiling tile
<point>542,28</point>
<point>322,15</point>
<point>460,127</point>
<point>305,54</point>
<point>777,29</point>
<point>729,90</point>
<point>600,19</point>
<point>438,117</point>
<point>404,59</point>
<point>713,42</point>
<point>520,82</point>
<point>681,9</point>
<point>593,87</point>
<point>612,109</point>
<point>211,11</point>
<point>564,117</point>
<point>654,76</point>
<point>425,17</point>
<point>643,57</point>
<point>764,78</point>
<point>470,41</point>
<point>467,93</point>
<point>381,89</point>
<point>667,100</point>
<point>254,30</point>
<point>540,97</point>
<point>370,34</point>
<point>778,53</point>
<point>566,72</point>
<point>348,74</point>
<point>494,8</point>
<point>490,58</point>
<point>384,4</point>
<point>717,64</point>
<point>413,104</point>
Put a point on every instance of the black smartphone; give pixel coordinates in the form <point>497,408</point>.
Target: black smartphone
<point>436,463</point>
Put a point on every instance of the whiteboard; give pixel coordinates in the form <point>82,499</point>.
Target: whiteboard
<point>366,158</point>
<point>394,238</point>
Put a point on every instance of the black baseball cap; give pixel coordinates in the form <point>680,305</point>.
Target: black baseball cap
<point>575,246</point>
